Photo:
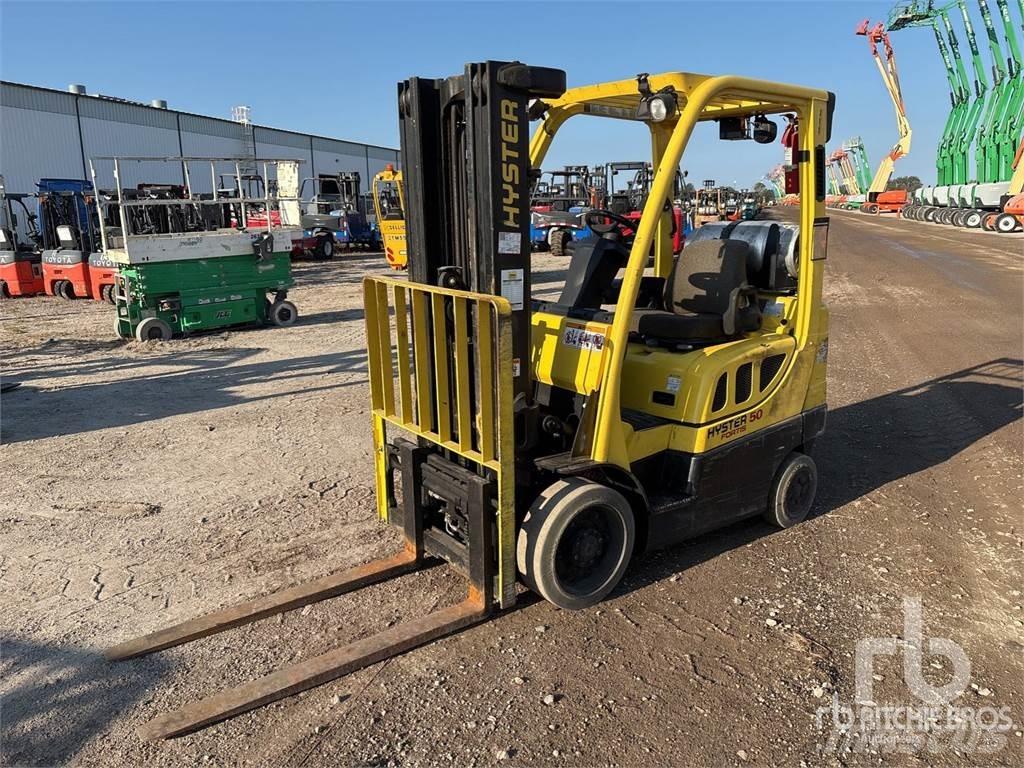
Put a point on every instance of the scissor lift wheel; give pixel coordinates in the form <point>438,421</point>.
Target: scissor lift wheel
<point>283,313</point>
<point>153,329</point>
<point>575,543</point>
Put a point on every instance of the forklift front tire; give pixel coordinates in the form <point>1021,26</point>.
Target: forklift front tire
<point>153,329</point>
<point>575,543</point>
<point>558,241</point>
<point>283,313</point>
<point>793,490</point>
<point>325,247</point>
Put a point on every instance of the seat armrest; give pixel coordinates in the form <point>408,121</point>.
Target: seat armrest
<point>729,318</point>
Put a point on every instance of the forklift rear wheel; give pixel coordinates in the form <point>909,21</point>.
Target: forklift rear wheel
<point>5,292</point>
<point>64,289</point>
<point>559,240</point>
<point>793,490</point>
<point>575,543</point>
<point>153,329</point>
<point>283,313</point>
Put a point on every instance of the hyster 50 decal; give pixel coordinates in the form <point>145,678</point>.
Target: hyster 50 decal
<point>735,426</point>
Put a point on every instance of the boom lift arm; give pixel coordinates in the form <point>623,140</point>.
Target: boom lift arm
<point>890,77</point>
<point>951,158</point>
<point>986,151</point>
<point>1008,123</point>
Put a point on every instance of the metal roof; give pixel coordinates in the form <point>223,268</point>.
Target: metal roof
<point>52,100</point>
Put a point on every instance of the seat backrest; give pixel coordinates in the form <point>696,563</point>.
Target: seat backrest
<point>705,276</point>
<point>592,269</point>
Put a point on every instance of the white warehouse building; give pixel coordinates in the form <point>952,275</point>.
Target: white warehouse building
<point>47,133</point>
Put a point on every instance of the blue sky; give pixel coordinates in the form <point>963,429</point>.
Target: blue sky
<point>330,67</point>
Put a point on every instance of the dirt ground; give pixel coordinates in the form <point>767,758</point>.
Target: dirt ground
<point>148,483</point>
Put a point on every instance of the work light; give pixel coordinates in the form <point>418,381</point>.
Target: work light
<point>657,107</point>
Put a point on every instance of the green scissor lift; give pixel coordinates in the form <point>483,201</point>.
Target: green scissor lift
<point>196,262</point>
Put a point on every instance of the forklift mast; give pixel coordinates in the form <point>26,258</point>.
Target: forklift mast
<point>9,221</point>
<point>466,164</point>
<point>67,202</point>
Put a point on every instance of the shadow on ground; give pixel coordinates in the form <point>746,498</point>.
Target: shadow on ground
<point>56,699</point>
<point>870,444</point>
<point>209,382</point>
<point>182,360</point>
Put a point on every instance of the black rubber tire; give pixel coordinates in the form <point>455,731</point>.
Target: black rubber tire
<point>988,222</point>
<point>957,218</point>
<point>5,292</point>
<point>793,490</point>
<point>324,247</point>
<point>1006,223</point>
<point>570,520</point>
<point>64,289</point>
<point>929,213</point>
<point>153,329</point>
<point>282,313</point>
<point>972,219</point>
<point>559,241</point>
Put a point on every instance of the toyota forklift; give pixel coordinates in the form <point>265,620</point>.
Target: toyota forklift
<point>21,266</point>
<point>546,444</point>
<point>74,263</point>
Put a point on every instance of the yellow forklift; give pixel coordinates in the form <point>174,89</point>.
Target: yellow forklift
<point>548,443</point>
<point>389,205</point>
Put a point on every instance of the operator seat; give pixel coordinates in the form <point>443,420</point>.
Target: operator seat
<point>706,297</point>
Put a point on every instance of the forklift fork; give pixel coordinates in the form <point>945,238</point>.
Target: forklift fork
<point>312,672</point>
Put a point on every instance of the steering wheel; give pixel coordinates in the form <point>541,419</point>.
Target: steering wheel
<point>595,218</point>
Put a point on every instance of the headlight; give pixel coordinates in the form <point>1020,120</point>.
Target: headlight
<point>659,111</point>
<point>657,107</point>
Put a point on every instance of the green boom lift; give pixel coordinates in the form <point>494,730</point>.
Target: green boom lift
<point>859,155</point>
<point>989,123</point>
<point>1008,122</point>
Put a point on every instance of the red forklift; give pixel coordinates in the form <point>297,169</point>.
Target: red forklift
<point>74,265</point>
<point>21,268</point>
<point>630,200</point>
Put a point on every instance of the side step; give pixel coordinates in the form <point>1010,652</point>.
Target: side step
<point>311,672</point>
